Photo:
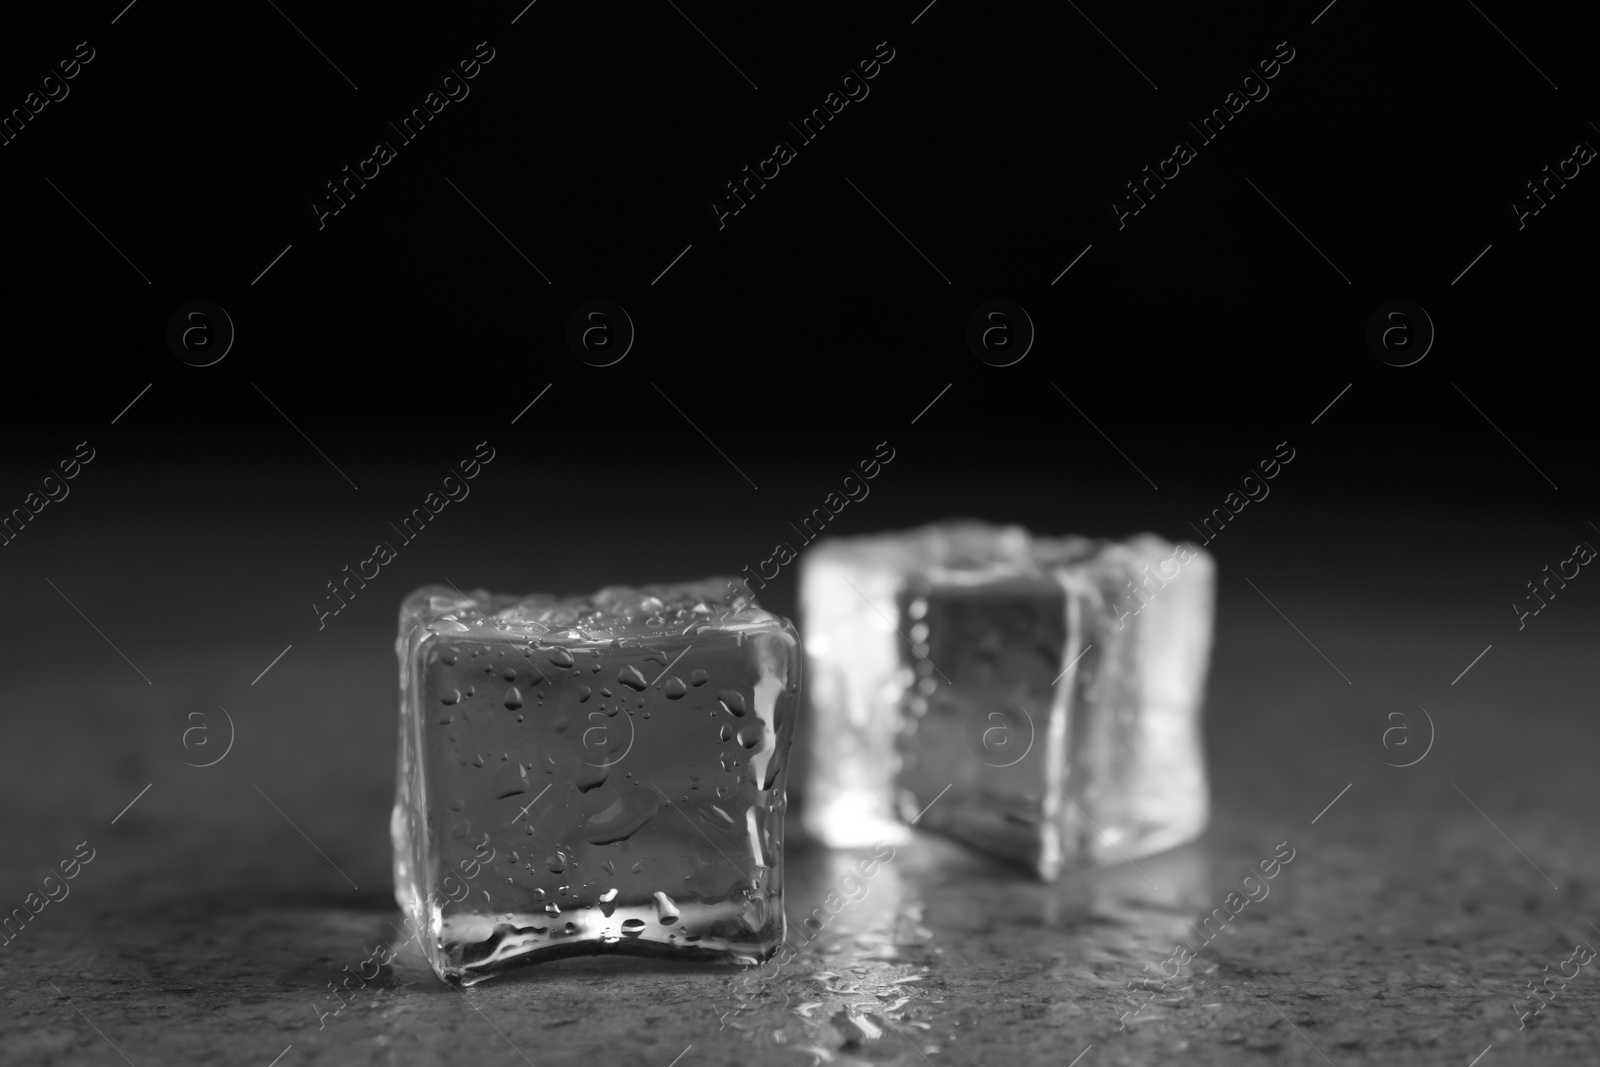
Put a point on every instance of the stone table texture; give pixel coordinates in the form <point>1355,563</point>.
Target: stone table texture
<point>207,929</point>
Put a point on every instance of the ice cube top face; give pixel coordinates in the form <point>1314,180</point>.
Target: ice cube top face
<point>1037,698</point>
<point>592,775</point>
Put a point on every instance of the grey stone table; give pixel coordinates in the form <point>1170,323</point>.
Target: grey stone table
<point>219,909</point>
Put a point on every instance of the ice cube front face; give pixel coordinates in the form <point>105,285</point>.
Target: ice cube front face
<point>1037,698</point>
<point>592,775</point>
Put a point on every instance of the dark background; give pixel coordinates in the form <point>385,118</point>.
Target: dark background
<point>796,339</point>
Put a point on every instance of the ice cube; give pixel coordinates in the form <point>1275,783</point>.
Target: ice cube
<point>592,775</point>
<point>1036,697</point>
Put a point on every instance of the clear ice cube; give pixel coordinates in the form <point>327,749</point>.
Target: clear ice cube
<point>1036,697</point>
<point>592,775</point>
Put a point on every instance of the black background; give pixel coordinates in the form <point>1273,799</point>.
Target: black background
<point>807,330</point>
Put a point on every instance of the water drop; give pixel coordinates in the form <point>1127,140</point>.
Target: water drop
<point>632,927</point>
<point>512,699</point>
<point>722,792</point>
<point>732,701</point>
<point>509,674</point>
<point>609,867</point>
<point>584,693</point>
<point>726,733</point>
<point>552,909</point>
<point>750,736</point>
<point>699,678</point>
<point>556,862</point>
<point>561,657</point>
<point>666,910</point>
<point>675,688</point>
<point>477,761</point>
<point>630,677</point>
<point>452,697</point>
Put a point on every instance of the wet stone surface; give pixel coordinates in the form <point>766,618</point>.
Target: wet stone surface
<point>1401,927</point>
